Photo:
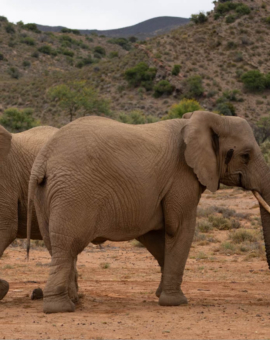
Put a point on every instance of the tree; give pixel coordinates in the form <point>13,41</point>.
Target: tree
<point>262,129</point>
<point>16,120</point>
<point>76,97</point>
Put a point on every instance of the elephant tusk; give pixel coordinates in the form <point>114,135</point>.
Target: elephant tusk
<point>261,201</point>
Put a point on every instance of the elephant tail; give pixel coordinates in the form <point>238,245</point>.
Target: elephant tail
<point>37,176</point>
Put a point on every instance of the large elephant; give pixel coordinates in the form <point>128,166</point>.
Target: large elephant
<point>98,179</point>
<point>17,154</point>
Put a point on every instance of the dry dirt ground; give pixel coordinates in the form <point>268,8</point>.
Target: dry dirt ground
<point>228,294</point>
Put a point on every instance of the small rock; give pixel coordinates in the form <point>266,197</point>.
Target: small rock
<point>37,294</point>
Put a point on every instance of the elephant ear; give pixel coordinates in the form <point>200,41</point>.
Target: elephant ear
<point>5,142</point>
<point>201,136</point>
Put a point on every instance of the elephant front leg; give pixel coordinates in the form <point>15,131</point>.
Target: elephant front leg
<point>154,241</point>
<point>177,245</point>
<point>4,287</point>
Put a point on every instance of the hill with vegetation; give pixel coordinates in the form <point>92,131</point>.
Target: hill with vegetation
<point>146,29</point>
<point>220,60</point>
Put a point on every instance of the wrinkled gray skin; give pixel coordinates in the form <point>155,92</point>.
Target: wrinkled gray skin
<point>17,154</point>
<point>98,179</point>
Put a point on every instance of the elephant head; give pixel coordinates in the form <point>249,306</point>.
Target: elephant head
<point>223,149</point>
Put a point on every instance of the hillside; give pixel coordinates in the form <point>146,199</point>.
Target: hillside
<point>218,51</point>
<point>146,29</point>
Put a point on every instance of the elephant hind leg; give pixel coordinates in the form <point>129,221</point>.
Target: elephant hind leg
<point>56,292</point>
<point>73,284</point>
<point>154,241</point>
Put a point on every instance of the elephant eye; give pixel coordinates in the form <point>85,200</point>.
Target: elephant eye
<point>245,157</point>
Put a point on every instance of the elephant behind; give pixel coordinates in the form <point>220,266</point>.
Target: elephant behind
<point>17,155</point>
<point>98,179</point>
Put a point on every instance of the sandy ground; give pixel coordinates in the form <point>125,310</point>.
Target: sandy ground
<point>228,295</point>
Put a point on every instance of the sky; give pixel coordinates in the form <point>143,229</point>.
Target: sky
<point>98,14</point>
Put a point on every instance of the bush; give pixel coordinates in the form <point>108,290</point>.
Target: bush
<point>28,41</point>
<point>67,52</point>
<point>100,50</point>
<point>123,42</point>
<point>199,18</point>
<point>220,223</point>
<point>14,72</point>
<point>230,18</point>
<point>253,80</point>
<point>136,117</point>
<point>205,226</point>
<point>16,120</point>
<point>1,56</point>
<point>185,105</point>
<point>176,70</point>
<point>140,75</point>
<point>226,109</point>
<point>242,10</point>
<point>31,27</point>
<point>163,87</point>
<point>26,63</point>
<point>10,28</point>
<point>242,235</point>
<point>3,19</point>
<point>132,39</point>
<point>46,49</point>
<point>67,30</point>
<point>113,54</point>
<point>194,87</point>
<point>267,20</point>
<point>35,54</point>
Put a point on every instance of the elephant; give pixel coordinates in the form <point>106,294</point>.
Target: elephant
<point>98,179</point>
<point>17,154</point>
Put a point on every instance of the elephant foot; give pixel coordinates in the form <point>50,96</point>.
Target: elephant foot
<point>159,290</point>
<point>37,294</point>
<point>63,305</point>
<point>73,295</point>
<point>4,287</point>
<point>175,299</point>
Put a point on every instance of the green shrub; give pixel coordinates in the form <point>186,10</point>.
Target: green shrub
<point>46,49</point>
<point>32,27</point>
<point>28,41</point>
<point>231,44</point>
<point>136,117</point>
<point>113,54</point>
<point>253,80</point>
<point>199,18</point>
<point>267,20</point>
<point>10,28</point>
<point>185,105</point>
<point>242,235</point>
<point>163,87</point>
<point>14,72</point>
<point>226,108</point>
<point>3,19</point>
<point>205,226</point>
<point>100,50</point>
<point>193,87</point>
<point>242,10</point>
<point>26,63</point>
<point>220,223</point>
<point>132,39</point>
<point>1,56</point>
<point>89,39</point>
<point>230,18</point>
<point>176,70</point>
<point>67,52</point>
<point>16,120</point>
<point>141,75</point>
<point>123,42</point>
<point>35,54</point>
<point>68,30</point>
